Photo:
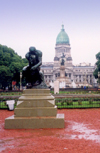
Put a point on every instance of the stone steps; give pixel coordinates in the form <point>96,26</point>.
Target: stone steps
<point>35,109</point>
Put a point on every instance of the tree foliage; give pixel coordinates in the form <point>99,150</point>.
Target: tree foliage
<point>11,65</point>
<point>97,66</point>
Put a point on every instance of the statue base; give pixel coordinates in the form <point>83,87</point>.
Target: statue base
<point>35,109</point>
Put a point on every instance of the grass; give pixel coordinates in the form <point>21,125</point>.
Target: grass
<point>4,106</point>
<point>83,104</point>
<point>80,103</point>
<point>60,92</point>
<point>78,92</point>
<point>72,102</point>
<point>10,93</point>
<point>80,106</point>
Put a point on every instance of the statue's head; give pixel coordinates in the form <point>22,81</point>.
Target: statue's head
<point>30,54</point>
<point>32,49</point>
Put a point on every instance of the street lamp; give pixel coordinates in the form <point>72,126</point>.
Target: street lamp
<point>20,80</point>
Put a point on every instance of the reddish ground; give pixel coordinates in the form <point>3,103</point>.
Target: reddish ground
<point>80,135</point>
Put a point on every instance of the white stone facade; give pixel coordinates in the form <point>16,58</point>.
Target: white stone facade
<point>64,71</point>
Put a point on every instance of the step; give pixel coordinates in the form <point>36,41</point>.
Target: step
<point>35,111</point>
<point>34,122</point>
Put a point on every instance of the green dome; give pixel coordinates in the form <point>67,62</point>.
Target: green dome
<point>62,37</point>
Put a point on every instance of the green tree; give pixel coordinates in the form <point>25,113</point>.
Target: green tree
<point>95,73</point>
<point>11,65</point>
<point>5,76</point>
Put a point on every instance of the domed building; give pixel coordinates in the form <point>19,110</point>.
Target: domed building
<point>62,37</point>
<point>63,70</point>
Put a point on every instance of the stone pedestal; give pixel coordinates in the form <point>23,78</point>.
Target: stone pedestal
<point>56,87</point>
<point>62,71</point>
<point>35,109</point>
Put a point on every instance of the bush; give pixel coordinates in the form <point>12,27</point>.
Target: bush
<point>80,103</point>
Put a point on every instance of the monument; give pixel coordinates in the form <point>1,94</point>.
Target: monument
<point>36,107</point>
<point>63,79</point>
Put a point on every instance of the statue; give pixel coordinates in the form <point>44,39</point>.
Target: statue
<point>62,60</point>
<point>34,78</point>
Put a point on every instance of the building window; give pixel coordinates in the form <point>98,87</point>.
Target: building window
<point>65,74</point>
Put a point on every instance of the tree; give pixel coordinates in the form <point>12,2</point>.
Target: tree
<point>11,65</point>
<point>95,73</point>
<point>5,76</point>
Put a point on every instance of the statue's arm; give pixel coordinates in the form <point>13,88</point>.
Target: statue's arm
<point>39,53</point>
<point>38,64</point>
<point>25,68</point>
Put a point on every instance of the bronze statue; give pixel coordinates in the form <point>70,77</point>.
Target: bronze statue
<point>62,60</point>
<point>34,78</point>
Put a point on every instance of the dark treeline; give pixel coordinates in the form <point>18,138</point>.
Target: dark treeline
<point>11,65</point>
<point>97,66</point>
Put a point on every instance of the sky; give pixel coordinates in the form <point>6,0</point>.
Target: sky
<point>25,23</point>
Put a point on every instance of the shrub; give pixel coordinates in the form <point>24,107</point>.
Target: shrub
<point>80,103</point>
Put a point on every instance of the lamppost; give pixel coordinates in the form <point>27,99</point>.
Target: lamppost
<point>98,79</point>
<point>20,80</point>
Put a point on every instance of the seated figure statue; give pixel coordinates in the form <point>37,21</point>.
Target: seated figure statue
<point>34,78</point>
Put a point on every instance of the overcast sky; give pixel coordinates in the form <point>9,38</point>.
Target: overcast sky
<point>25,23</point>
